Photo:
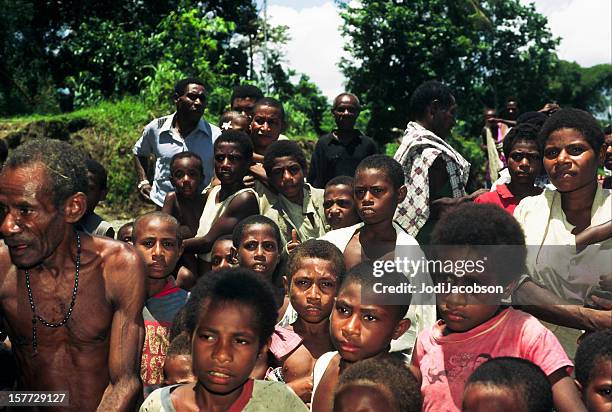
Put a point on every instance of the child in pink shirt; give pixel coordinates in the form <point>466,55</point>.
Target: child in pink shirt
<point>475,327</point>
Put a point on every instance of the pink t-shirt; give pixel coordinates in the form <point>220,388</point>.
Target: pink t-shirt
<point>446,362</point>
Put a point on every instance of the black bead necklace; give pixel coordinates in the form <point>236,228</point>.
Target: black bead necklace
<point>35,317</point>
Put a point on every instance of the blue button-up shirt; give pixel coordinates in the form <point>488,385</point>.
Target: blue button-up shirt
<point>162,141</point>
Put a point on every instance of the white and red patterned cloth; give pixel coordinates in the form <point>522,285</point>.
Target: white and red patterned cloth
<point>417,152</point>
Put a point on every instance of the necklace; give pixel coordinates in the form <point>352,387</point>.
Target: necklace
<point>35,317</point>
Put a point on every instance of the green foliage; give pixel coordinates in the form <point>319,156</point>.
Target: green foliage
<point>486,51</point>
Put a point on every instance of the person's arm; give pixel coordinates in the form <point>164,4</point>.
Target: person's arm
<point>566,397</point>
<point>127,329</point>
<point>553,309</point>
<point>140,164</point>
<point>594,235</point>
<point>168,206</point>
<point>242,206</point>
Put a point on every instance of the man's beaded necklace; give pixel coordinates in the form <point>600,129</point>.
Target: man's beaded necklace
<point>35,317</point>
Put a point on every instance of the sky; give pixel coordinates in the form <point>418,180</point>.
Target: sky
<point>315,48</point>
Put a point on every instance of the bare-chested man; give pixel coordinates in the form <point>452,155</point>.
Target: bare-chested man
<point>70,303</point>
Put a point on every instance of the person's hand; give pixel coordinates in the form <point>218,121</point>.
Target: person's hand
<point>294,242</point>
<point>248,181</point>
<point>145,191</point>
<point>302,387</point>
<point>605,282</point>
<point>549,108</point>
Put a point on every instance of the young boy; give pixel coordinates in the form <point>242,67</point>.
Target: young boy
<point>125,233</point>
<point>339,204</point>
<point>228,203</point>
<point>359,329</point>
<point>157,239</point>
<point>186,203</point>
<point>267,124</point>
<point>384,383</point>
<point>524,166</point>
<point>177,366</point>
<point>314,270</point>
<point>379,188</point>
<point>97,188</point>
<point>339,152</point>
<point>594,370</point>
<point>244,97</point>
<point>231,316</point>
<point>233,120</point>
<point>475,326</point>
<point>298,206</point>
<point>221,253</point>
<point>507,384</point>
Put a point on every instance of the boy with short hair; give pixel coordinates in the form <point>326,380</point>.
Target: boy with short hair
<point>384,381</point>
<point>314,270</point>
<point>233,120</point>
<point>361,327</point>
<point>475,326</point>
<point>298,206</point>
<point>338,153</point>
<point>231,316</point>
<point>157,239</point>
<point>177,366</point>
<point>339,204</point>
<point>379,188</point>
<point>125,233</point>
<point>221,253</point>
<point>97,188</point>
<point>228,203</point>
<point>524,165</point>
<point>511,384</point>
<point>186,203</point>
<point>244,97</point>
<point>594,370</point>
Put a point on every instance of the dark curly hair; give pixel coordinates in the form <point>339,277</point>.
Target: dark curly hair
<point>181,85</point>
<point>385,165</point>
<point>490,231</point>
<point>321,249</point>
<point>239,286</point>
<point>523,131</point>
<point>240,139</point>
<point>575,119</point>
<point>520,376</point>
<point>426,93</point>
<point>282,148</point>
<point>389,372</point>
<point>66,170</point>
<point>595,349</point>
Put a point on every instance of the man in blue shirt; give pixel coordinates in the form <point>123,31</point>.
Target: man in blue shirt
<point>184,130</point>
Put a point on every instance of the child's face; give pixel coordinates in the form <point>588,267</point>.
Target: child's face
<point>287,177</point>
<point>312,289</point>
<point>125,234</point>
<point>244,105</point>
<point>177,370</point>
<point>464,311</point>
<point>339,207</point>
<point>221,254</point>
<point>186,176</point>
<point>345,112</point>
<point>375,196</point>
<point>485,398</point>
<point>225,346</point>
<point>230,164</point>
<point>598,393</point>
<point>361,331</point>
<point>524,162</point>
<point>259,250</point>
<point>569,160</point>
<point>240,124</point>
<point>266,126</point>
<point>364,397</point>
<point>157,243</point>
<point>94,193</point>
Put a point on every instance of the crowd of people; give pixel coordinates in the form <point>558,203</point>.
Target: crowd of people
<point>254,285</point>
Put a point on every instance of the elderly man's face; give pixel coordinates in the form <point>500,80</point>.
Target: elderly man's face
<point>31,226</point>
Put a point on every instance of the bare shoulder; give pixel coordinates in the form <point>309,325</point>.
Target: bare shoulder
<point>5,268</point>
<point>121,265</point>
<point>246,199</point>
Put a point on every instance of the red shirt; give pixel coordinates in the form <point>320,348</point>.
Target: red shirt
<point>501,197</point>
